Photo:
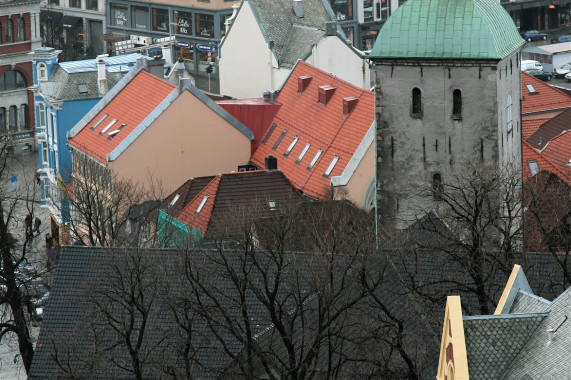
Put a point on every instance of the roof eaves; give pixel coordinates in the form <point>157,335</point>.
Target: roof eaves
<point>355,160</point>
<point>218,109</point>
<point>503,316</point>
<point>139,129</point>
<point>105,100</point>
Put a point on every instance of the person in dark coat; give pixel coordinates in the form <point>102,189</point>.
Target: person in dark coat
<point>37,223</point>
<point>29,233</point>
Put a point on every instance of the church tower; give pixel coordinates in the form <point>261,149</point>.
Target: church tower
<point>447,89</point>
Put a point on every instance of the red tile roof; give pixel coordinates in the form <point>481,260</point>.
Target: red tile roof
<point>324,127</point>
<point>256,114</point>
<point>529,127</point>
<point>546,97</point>
<point>200,220</point>
<point>130,107</point>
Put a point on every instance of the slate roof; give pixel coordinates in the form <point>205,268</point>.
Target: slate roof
<point>132,105</point>
<point>493,342</point>
<point>323,126</point>
<point>232,194</point>
<point>545,97</point>
<point>450,29</point>
<point>66,78</point>
<point>525,302</point>
<point>292,37</point>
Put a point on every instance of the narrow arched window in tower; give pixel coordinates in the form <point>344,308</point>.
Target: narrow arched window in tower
<point>457,105</point>
<point>416,109</point>
<point>437,186</point>
<point>509,114</point>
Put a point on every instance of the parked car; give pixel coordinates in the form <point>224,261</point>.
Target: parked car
<point>563,70</point>
<point>530,65</point>
<point>568,76</point>
<point>540,74</point>
<point>561,38</point>
<point>534,35</point>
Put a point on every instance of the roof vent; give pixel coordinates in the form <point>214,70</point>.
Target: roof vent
<point>325,93</point>
<point>298,7</point>
<point>271,163</point>
<point>303,82</point>
<point>349,104</point>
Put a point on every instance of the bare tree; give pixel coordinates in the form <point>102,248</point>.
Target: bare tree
<point>15,248</point>
<point>479,224</point>
<point>106,210</point>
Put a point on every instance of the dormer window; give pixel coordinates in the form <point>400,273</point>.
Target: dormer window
<point>272,205</point>
<point>303,82</point>
<point>325,93</point>
<point>42,71</point>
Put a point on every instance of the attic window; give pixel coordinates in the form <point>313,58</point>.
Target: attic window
<point>272,205</point>
<point>201,205</point>
<point>303,152</point>
<point>269,133</point>
<point>82,88</point>
<point>108,126</point>
<point>530,89</point>
<point>99,122</point>
<point>279,140</point>
<point>174,200</point>
<point>303,82</point>
<point>325,93</point>
<point>331,166</point>
<point>315,158</point>
<point>349,104</point>
<point>290,147</point>
<point>534,167</point>
<point>113,133</point>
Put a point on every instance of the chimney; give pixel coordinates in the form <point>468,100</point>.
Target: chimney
<point>271,163</point>
<point>180,68</point>
<point>101,74</point>
<point>155,66</point>
<point>349,104</point>
<point>325,93</point>
<point>298,8</point>
<point>303,82</point>
<point>167,53</point>
<point>330,28</point>
<point>231,19</point>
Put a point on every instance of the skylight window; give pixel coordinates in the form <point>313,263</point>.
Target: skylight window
<point>530,88</point>
<point>272,205</point>
<point>534,167</point>
<point>279,140</point>
<point>303,152</point>
<point>270,131</point>
<point>331,166</point>
<point>82,88</point>
<point>290,147</point>
<point>315,158</point>
<point>113,133</point>
<point>174,200</point>
<point>569,162</point>
<point>108,126</point>
<point>201,205</point>
<point>99,121</point>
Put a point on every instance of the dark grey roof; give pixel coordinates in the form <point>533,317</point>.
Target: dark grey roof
<point>66,86</point>
<point>546,357</point>
<point>528,303</point>
<point>492,342</point>
<point>292,36</point>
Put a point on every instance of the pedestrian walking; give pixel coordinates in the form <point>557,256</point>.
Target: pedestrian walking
<point>37,223</point>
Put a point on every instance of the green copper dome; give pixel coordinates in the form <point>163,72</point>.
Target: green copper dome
<point>467,29</point>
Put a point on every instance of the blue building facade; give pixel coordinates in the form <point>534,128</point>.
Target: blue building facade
<point>63,94</point>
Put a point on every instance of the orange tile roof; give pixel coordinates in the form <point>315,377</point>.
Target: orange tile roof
<point>558,152</point>
<point>530,154</point>
<point>201,220</point>
<point>325,127</point>
<point>546,97</point>
<point>130,107</point>
<point>529,127</point>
